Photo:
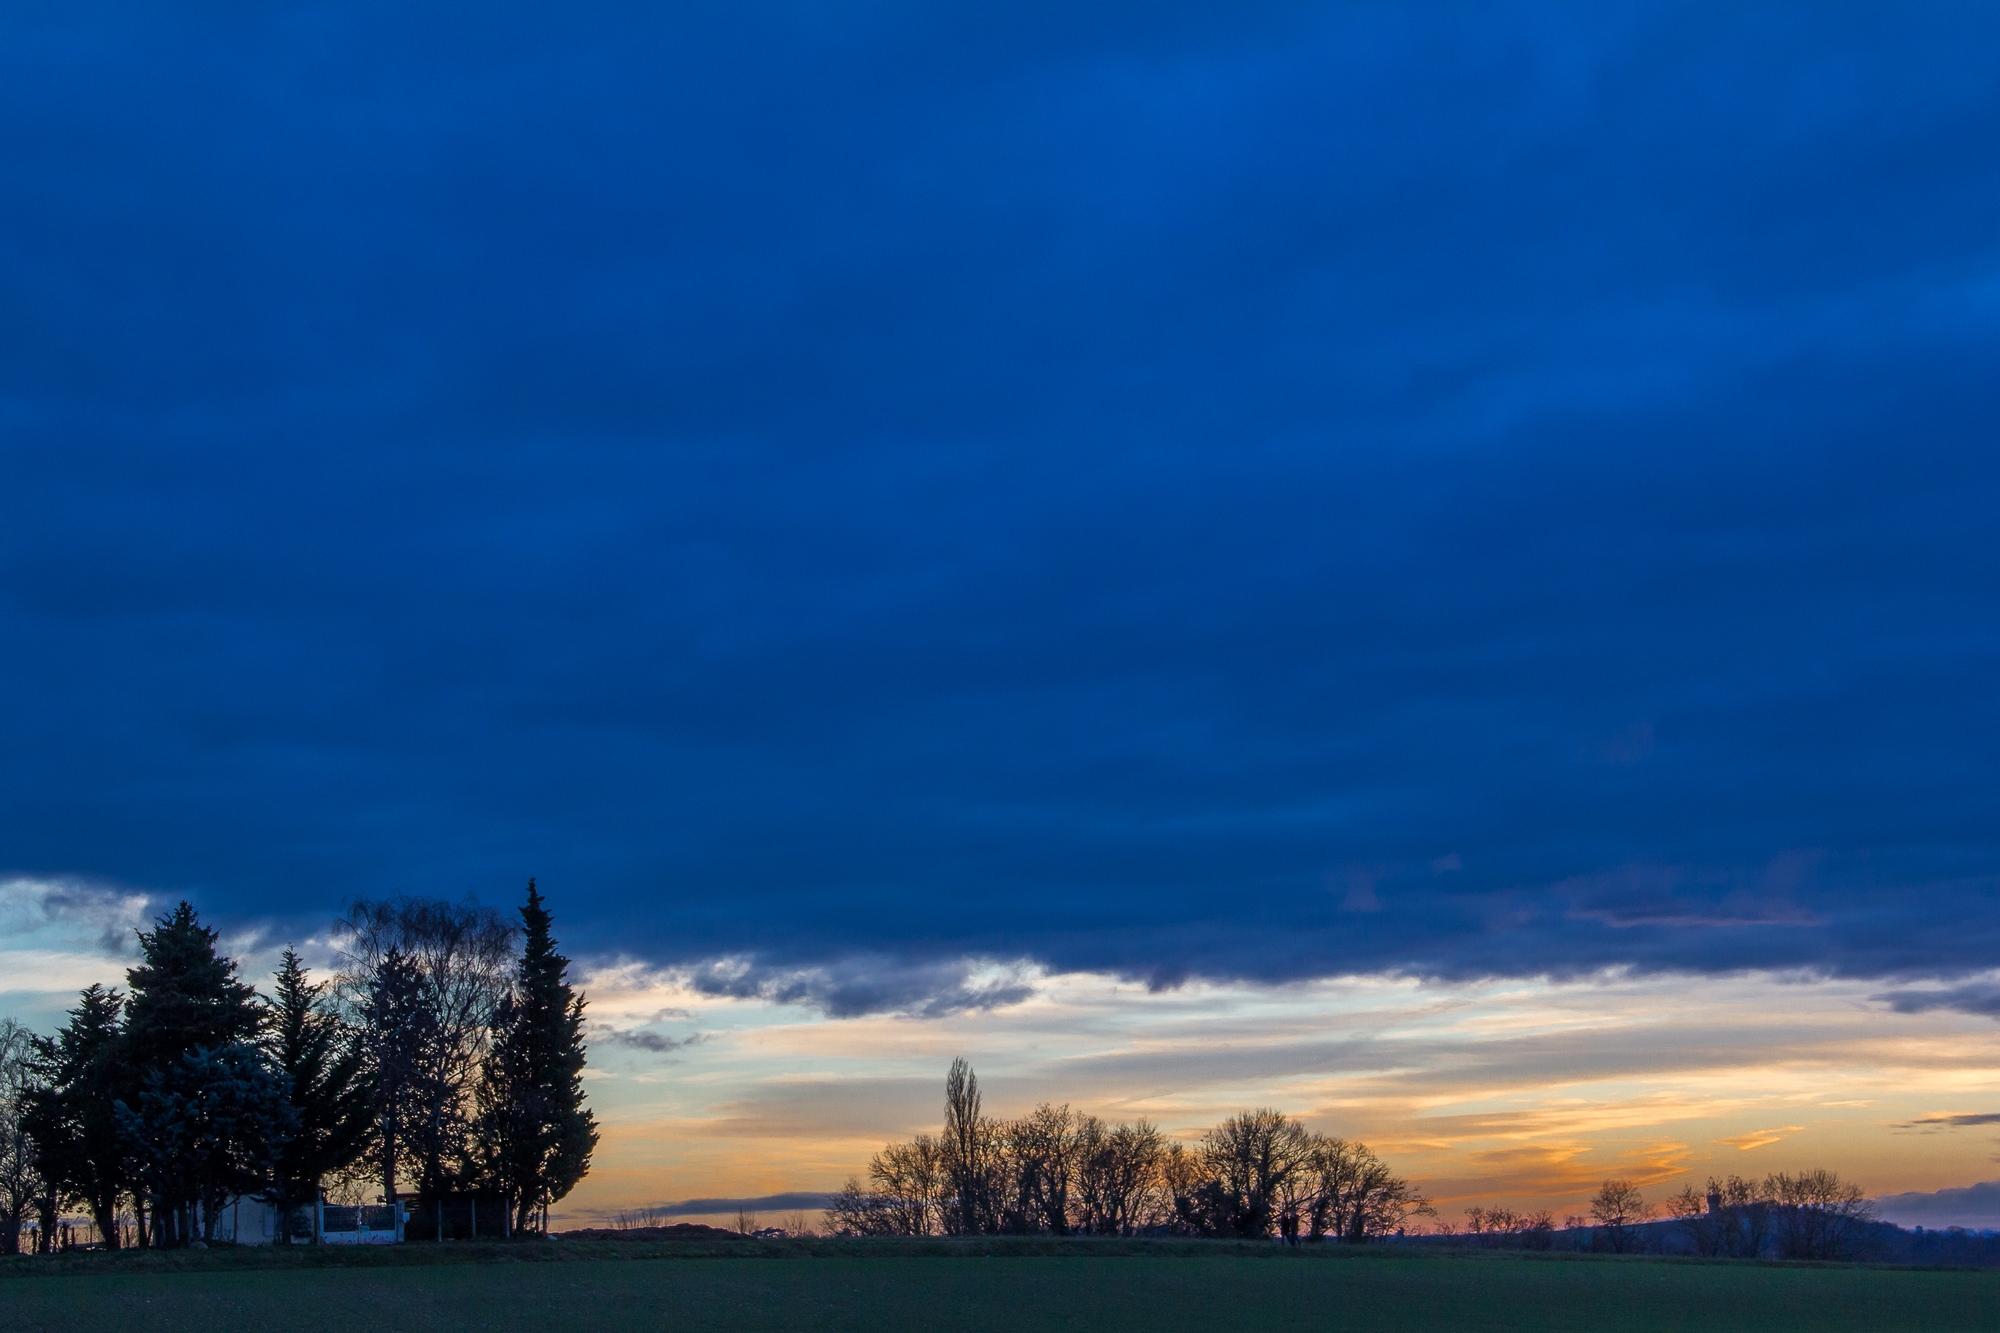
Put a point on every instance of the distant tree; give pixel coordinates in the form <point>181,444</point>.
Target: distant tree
<point>1505,1228</point>
<point>909,1187</point>
<point>858,1211</point>
<point>1742,1210</point>
<point>1618,1210</point>
<point>1193,1198</point>
<point>324,1065</point>
<point>1351,1195</point>
<point>1117,1176</point>
<point>971,1148</point>
<point>1251,1159</point>
<point>70,1110</point>
<point>1041,1159</point>
<point>536,1134</point>
<point>20,1174</point>
<point>206,1131</point>
<point>425,978</point>
<point>1694,1219</point>
<point>1818,1215</point>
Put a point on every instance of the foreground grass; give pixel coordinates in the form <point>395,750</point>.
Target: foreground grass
<point>1380,1293</point>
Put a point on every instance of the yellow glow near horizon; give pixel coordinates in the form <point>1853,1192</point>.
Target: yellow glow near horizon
<point>1526,1093</point>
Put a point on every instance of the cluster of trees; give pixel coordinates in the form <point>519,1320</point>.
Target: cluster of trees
<point>446,1055</point>
<point>1057,1172</point>
<point>1812,1215</point>
<point>1533,1229</point>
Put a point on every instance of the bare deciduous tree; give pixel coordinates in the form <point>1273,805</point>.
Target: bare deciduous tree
<point>425,977</point>
<point>1251,1159</point>
<point>1618,1209</point>
<point>20,1182</point>
<point>1817,1214</point>
<point>1041,1158</point>
<point>1350,1195</point>
<point>1117,1176</point>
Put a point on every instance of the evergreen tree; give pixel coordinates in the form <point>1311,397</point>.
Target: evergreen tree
<point>331,1095</point>
<point>207,1130</point>
<point>70,1112</point>
<point>185,1001</point>
<point>184,995</point>
<point>399,1036</point>
<point>536,1135</point>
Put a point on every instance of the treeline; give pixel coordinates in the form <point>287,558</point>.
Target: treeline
<point>1055,1172</point>
<point>1811,1215</point>
<point>445,1057</point>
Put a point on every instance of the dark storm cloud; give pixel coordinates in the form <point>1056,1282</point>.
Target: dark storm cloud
<point>1110,486</point>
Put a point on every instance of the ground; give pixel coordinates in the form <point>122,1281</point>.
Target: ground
<point>826,1292</point>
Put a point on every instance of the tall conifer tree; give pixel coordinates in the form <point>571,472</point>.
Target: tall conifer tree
<point>330,1090</point>
<point>71,1114</point>
<point>537,1134</point>
<point>185,1018</point>
<point>184,995</point>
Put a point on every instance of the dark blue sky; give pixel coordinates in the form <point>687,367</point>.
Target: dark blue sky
<point>1241,490</point>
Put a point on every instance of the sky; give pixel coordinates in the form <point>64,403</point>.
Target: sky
<point>1429,565</point>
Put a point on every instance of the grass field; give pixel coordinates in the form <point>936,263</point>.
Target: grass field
<point>1379,1293</point>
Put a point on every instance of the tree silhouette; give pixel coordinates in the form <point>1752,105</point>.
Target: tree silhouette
<point>536,1134</point>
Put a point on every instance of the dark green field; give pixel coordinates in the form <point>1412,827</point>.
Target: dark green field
<point>1376,1292</point>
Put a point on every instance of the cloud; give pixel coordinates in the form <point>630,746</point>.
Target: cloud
<point>1954,1121</point>
<point>852,986</point>
<point>790,1201</point>
<point>1982,997</point>
<point>69,913</point>
<point>1042,487</point>
<point>1974,1207</point>
<point>1760,1138</point>
<point>641,1040</point>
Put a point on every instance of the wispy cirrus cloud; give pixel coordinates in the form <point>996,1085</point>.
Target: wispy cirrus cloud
<point>1950,1120</point>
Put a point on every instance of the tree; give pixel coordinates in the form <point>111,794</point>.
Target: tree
<point>537,1134</point>
<point>971,1148</point>
<point>1349,1194</point>
<point>398,1034</point>
<point>332,1097</point>
<point>1818,1215</point>
<point>1041,1158</point>
<point>1732,1218</point>
<point>184,995</point>
<point>71,1110</point>
<point>1618,1208</point>
<point>1117,1176</point>
<point>1250,1159</point>
<point>1700,1218</point>
<point>20,1174</point>
<point>424,978</point>
<point>185,998</point>
<point>207,1129</point>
